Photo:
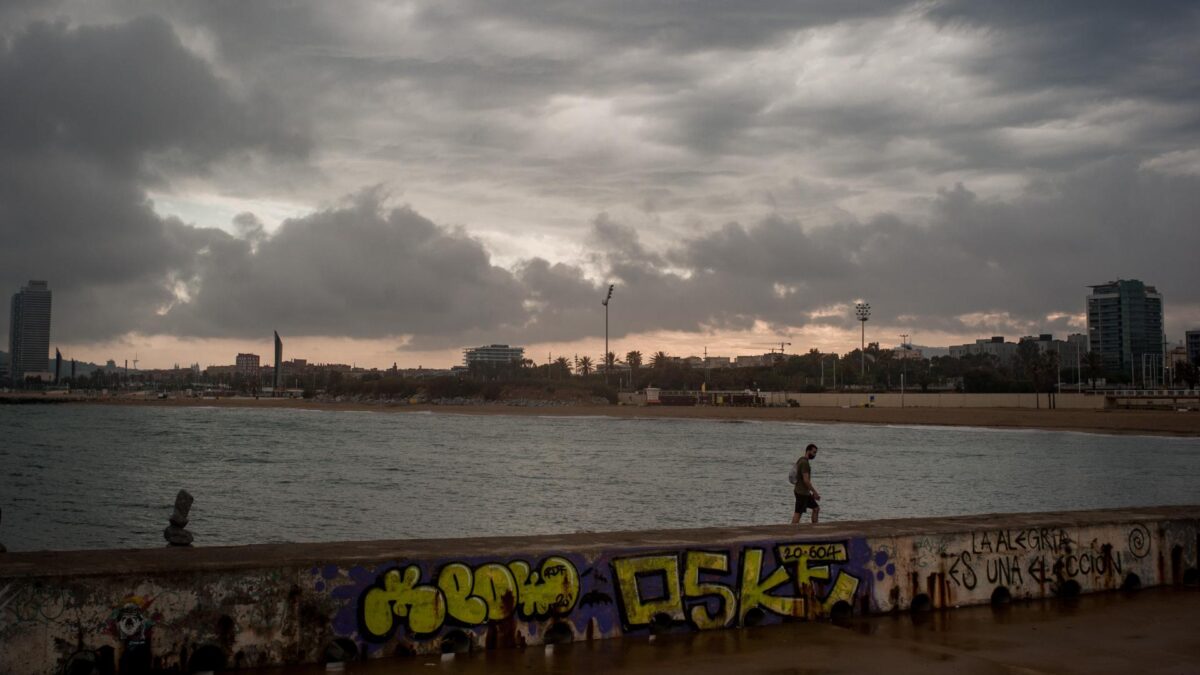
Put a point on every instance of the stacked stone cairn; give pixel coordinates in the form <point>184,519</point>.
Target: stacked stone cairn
<point>175,534</point>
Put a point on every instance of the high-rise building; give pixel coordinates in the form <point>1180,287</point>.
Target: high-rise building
<point>29,331</point>
<point>1192,342</point>
<point>1125,326</point>
<point>247,364</point>
<point>278,380</point>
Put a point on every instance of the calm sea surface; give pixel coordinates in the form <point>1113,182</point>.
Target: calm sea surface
<point>80,476</point>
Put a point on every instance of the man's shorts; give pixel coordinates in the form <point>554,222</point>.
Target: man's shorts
<point>804,502</point>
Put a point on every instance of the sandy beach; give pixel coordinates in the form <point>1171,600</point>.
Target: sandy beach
<point>1145,422</point>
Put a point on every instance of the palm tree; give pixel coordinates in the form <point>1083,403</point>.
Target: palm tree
<point>1093,365</point>
<point>1189,373</point>
<point>562,365</point>
<point>610,359</point>
<point>659,360</point>
<point>585,365</point>
<point>634,359</point>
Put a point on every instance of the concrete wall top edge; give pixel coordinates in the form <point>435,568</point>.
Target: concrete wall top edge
<point>215,558</point>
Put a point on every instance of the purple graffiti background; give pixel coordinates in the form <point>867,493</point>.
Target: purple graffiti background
<point>597,610</point>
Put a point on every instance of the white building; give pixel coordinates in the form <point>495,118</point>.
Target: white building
<point>1070,351</point>
<point>493,354</point>
<point>754,361</point>
<point>995,346</point>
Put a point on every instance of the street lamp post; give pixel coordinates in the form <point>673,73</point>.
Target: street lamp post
<point>822,359</point>
<point>1079,372</point>
<point>863,310</point>
<point>903,364</point>
<point>605,303</point>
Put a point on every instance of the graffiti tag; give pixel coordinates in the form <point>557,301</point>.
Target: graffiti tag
<point>467,595</point>
<point>655,587</point>
<point>1031,539</point>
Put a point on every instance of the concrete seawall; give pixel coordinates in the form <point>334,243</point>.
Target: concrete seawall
<point>916,399</point>
<point>133,611</point>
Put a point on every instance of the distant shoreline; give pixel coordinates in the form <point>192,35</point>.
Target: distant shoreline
<point>1129,422</point>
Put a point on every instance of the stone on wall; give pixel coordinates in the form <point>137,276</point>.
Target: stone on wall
<point>176,533</point>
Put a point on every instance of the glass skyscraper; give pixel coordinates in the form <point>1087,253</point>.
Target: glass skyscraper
<point>1125,326</point>
<point>29,331</point>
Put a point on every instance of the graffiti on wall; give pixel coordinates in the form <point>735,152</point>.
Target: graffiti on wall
<point>131,622</point>
<point>467,596</point>
<point>1041,556</point>
<point>424,605</point>
<point>22,605</point>
<point>702,589</point>
<point>621,592</point>
<point>6,597</point>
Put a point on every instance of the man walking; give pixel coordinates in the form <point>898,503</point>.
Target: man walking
<point>806,495</point>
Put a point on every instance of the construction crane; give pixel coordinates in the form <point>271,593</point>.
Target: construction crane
<point>781,344</point>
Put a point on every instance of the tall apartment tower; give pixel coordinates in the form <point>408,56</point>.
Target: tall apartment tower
<point>1125,325</point>
<point>1192,342</point>
<point>275,384</point>
<point>29,331</point>
<point>248,365</point>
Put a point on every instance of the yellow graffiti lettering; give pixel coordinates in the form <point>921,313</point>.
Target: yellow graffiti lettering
<point>843,591</point>
<point>457,582</point>
<point>639,612</point>
<point>696,563</point>
<point>401,597</point>
<point>495,584</point>
<point>755,591</point>
<point>489,592</point>
<point>552,589</point>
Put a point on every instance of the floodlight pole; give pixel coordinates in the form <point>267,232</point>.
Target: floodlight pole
<point>605,358</point>
<point>863,311</point>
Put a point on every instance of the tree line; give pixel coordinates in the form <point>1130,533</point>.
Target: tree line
<point>1030,371</point>
<point>872,369</point>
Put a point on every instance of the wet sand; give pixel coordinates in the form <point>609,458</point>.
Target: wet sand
<point>1150,631</point>
<point>1139,422</point>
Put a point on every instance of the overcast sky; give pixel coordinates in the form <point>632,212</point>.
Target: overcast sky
<point>392,181</point>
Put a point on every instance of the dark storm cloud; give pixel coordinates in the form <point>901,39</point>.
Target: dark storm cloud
<point>1143,48</point>
<point>700,77</point>
<point>1136,59</point>
<point>358,270</point>
<point>962,165</point>
<point>89,114</point>
<point>116,94</point>
<point>672,27</point>
<point>1026,258</point>
<point>367,271</point>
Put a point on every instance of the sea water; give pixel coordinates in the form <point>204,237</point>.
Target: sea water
<point>100,476</point>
